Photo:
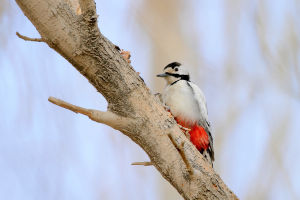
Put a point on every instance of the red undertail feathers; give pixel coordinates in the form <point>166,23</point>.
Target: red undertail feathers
<point>198,135</point>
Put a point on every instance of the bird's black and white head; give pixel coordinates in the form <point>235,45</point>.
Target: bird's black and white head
<point>174,72</point>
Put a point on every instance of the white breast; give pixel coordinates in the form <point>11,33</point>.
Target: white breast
<point>185,100</point>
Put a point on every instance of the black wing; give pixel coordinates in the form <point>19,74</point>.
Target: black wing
<point>206,125</point>
<point>203,122</point>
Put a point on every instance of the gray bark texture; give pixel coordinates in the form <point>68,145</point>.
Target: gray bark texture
<point>70,28</point>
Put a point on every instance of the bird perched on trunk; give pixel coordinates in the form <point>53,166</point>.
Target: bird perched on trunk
<point>187,104</point>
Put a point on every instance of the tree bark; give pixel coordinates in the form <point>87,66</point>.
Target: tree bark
<point>70,28</point>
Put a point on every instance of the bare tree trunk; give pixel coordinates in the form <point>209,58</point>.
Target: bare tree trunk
<point>71,30</point>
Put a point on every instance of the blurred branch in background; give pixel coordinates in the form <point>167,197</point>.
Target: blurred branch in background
<point>280,48</point>
<point>172,34</point>
<point>5,14</point>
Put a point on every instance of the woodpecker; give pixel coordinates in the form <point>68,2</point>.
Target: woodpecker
<point>187,104</point>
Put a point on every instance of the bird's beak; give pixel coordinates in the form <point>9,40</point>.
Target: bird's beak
<point>162,75</point>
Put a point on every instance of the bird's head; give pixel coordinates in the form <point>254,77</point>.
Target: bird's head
<point>174,72</point>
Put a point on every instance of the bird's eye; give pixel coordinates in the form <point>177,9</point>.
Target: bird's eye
<point>176,69</point>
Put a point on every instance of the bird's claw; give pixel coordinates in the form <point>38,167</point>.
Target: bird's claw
<point>184,129</point>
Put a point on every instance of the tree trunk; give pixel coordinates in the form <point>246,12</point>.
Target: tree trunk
<point>70,28</point>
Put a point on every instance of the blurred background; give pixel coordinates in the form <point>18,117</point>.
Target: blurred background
<point>243,54</point>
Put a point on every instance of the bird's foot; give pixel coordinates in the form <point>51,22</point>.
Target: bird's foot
<point>185,131</point>
<point>184,128</point>
<point>159,96</point>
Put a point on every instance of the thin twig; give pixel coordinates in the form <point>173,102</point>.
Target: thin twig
<point>109,118</point>
<point>143,163</point>
<point>69,106</point>
<point>29,39</point>
<point>182,154</point>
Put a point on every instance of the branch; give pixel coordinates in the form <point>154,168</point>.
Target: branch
<point>29,39</point>
<point>107,118</point>
<point>143,163</point>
